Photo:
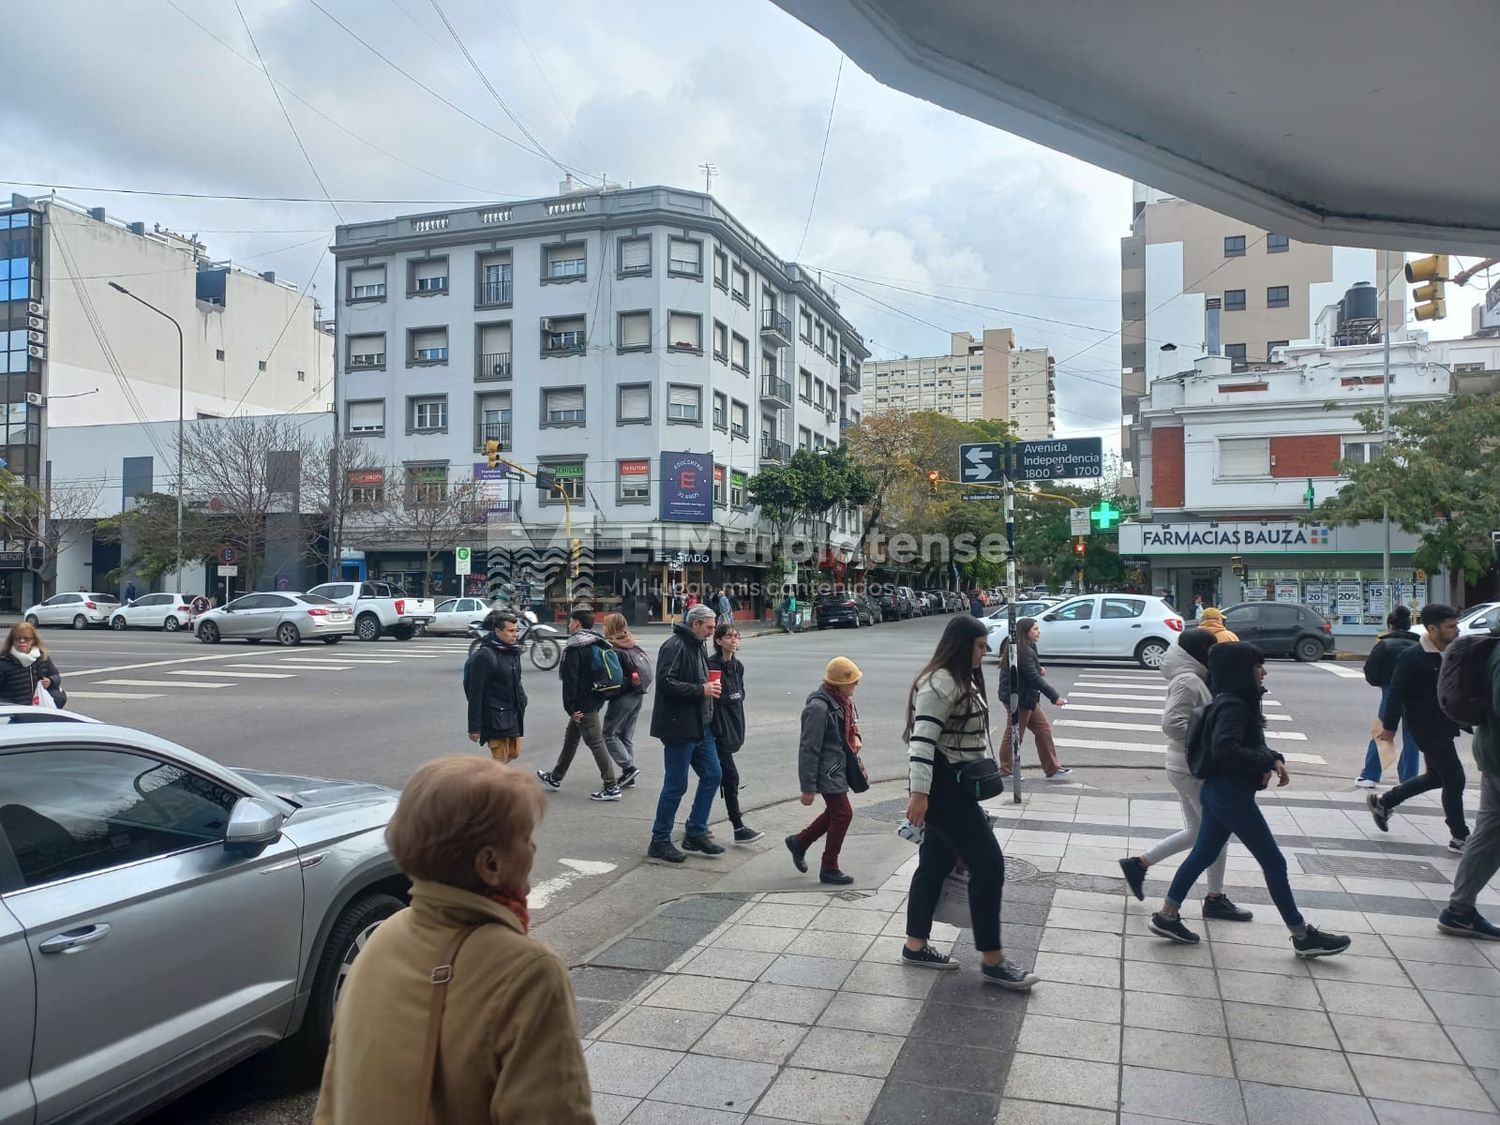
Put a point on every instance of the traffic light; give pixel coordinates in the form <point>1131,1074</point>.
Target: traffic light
<point>933,476</point>
<point>492,452</point>
<point>1237,566</point>
<point>1433,270</point>
<point>1079,548</point>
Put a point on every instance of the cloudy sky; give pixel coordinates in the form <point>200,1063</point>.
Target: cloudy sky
<point>925,222</point>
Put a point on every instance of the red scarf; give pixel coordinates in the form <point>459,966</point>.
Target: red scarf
<point>851,721</point>
<point>513,902</point>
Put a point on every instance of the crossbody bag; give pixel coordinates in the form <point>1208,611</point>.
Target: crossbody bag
<point>441,975</point>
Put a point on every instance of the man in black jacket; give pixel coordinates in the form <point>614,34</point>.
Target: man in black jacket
<point>681,717</point>
<point>497,702</point>
<point>1380,666</point>
<point>1412,701</point>
<point>583,704</point>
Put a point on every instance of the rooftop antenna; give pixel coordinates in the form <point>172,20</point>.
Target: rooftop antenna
<point>710,170</point>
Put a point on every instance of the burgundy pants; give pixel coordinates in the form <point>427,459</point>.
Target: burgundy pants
<point>1041,730</point>
<point>835,819</point>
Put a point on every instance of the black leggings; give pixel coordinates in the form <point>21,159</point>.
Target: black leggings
<point>1443,771</point>
<point>957,828</point>
<point>731,787</point>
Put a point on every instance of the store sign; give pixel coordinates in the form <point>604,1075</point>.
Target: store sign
<point>1272,537</point>
<point>635,468</point>
<point>687,487</point>
<point>366,478</point>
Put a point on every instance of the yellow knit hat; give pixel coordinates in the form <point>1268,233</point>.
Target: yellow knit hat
<point>1211,614</point>
<point>842,671</point>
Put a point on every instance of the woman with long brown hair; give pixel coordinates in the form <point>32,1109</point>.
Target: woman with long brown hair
<point>1034,685</point>
<point>26,668</point>
<point>951,769</point>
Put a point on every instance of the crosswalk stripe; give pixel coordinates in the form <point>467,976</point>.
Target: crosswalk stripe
<point>1289,735</point>
<point>1343,673</point>
<point>1092,709</point>
<point>1154,689</point>
<point>1107,695</point>
<point>242,675</point>
<point>113,695</point>
<point>1146,748</point>
<point>309,666</point>
<point>163,683</point>
<point>346,660</point>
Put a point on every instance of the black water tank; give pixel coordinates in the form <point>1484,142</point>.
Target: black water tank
<point>1361,302</point>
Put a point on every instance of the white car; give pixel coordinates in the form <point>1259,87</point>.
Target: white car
<point>1105,626</point>
<point>79,610</point>
<point>455,615</point>
<point>1480,619</point>
<point>154,611</point>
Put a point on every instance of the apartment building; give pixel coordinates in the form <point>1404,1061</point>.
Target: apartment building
<point>612,336</point>
<point>1194,282</point>
<point>987,377</point>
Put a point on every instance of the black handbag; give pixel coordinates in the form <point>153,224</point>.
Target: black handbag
<point>854,772</point>
<point>980,779</point>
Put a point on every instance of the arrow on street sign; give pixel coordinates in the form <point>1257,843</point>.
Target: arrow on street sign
<point>980,462</point>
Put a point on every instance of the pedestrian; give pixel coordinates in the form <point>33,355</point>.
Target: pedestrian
<point>976,603</point>
<point>692,598</point>
<point>681,716</point>
<point>621,713</point>
<point>728,724</point>
<point>1195,611</point>
<point>947,739</point>
<point>1411,701</point>
<point>582,699</point>
<point>27,669</point>
<point>504,1044</point>
<point>1213,620</point>
<point>653,604</point>
<point>129,593</point>
<point>1034,685</point>
<point>1481,856</point>
<point>492,682</point>
<point>830,732</point>
<point>1185,668</point>
<point>1379,666</point>
<point>724,607</point>
<point>1227,749</point>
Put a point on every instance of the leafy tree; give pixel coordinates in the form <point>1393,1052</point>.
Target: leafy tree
<point>52,519</point>
<point>433,515</point>
<point>150,530</point>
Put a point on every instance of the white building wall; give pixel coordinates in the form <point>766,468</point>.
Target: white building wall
<point>1172,316</point>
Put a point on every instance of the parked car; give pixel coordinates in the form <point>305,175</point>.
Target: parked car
<point>162,916</point>
<point>1281,629</point>
<point>154,611</point>
<point>288,619</point>
<point>379,608</point>
<point>918,602</point>
<point>455,615</point>
<point>1481,618</point>
<point>894,605</point>
<point>842,609</point>
<point>936,601</point>
<point>79,610</point>
<point>1104,626</point>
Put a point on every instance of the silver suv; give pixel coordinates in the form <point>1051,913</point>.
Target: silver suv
<point>163,917</point>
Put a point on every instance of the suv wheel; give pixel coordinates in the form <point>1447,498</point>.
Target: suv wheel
<point>80,622</point>
<point>367,628</point>
<point>1151,653</point>
<point>345,941</point>
<point>1308,649</point>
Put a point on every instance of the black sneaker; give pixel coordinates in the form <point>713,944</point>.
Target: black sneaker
<point>1008,974</point>
<point>552,783</point>
<point>1379,812</point>
<point>799,853</point>
<point>628,776</point>
<point>1472,925</point>
<point>665,849</point>
<point>927,958</point>
<point>608,793</point>
<point>1457,846</point>
<point>835,877</point>
<point>701,844</point>
<point>1171,927</point>
<point>744,834</point>
<point>1315,943</point>
<point>1135,876</point>
<point>1219,908</point>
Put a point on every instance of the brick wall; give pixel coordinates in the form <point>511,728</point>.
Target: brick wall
<point>1167,467</point>
<point>1307,455</point>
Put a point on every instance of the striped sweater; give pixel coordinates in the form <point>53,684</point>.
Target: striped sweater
<point>948,720</point>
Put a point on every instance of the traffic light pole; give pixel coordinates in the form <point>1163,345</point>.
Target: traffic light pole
<point>571,571</point>
<point>1012,688</point>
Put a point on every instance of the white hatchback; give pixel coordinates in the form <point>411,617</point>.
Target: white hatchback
<point>1107,627</point>
<point>79,610</point>
<point>154,611</point>
<point>454,615</point>
<point>1481,618</point>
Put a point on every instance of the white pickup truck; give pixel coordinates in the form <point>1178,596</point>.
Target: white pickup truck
<point>379,608</point>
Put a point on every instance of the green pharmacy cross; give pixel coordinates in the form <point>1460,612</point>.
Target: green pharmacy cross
<point>1104,515</point>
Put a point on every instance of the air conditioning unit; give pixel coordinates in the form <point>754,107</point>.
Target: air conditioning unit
<point>35,308</point>
<point>39,323</point>
<point>35,337</point>
<point>33,399</point>
<point>831,416</point>
<point>36,351</point>
<point>546,324</point>
<point>502,369</point>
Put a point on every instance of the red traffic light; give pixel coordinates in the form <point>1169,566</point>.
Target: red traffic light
<point>1078,548</point>
<point>932,476</point>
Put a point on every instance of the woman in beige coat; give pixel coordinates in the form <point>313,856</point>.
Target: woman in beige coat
<point>499,1042</point>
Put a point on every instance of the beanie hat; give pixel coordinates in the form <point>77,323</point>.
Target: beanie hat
<point>1212,614</point>
<point>842,671</point>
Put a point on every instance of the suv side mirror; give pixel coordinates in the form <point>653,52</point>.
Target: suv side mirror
<point>253,826</point>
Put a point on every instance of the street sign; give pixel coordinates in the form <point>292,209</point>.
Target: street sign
<point>462,563</point>
<point>1105,515</point>
<point>981,462</point>
<point>546,479</point>
<point>983,496</point>
<point>1059,458</point>
<point>229,572</point>
<point>199,604</point>
<point>228,556</point>
<point>1078,521</point>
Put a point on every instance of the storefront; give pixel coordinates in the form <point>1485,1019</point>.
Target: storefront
<point>1336,571</point>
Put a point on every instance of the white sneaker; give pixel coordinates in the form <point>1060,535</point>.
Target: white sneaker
<point>1062,774</point>
<point>1365,783</point>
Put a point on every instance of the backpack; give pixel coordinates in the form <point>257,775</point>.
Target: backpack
<point>1462,687</point>
<point>1197,741</point>
<point>469,663</point>
<point>607,673</point>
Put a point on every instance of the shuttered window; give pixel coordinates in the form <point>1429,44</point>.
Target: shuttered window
<point>1244,457</point>
<point>684,404</point>
<point>635,255</point>
<point>635,330</point>
<point>635,403</point>
<point>366,417</point>
<point>684,257</point>
<point>430,345</point>
<point>366,282</point>
<point>685,331</point>
<point>563,405</point>
<point>430,275</point>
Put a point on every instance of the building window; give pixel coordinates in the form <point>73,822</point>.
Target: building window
<point>767,365</point>
<point>570,478</point>
<point>633,481</point>
<point>635,257</point>
<point>367,283</point>
<point>364,351</point>
<point>635,331</point>
<point>721,341</point>
<point>721,487</point>
<point>819,394</point>
<point>563,406</point>
<point>739,287</point>
<point>260,365</point>
<point>1234,246</point>
<point>739,419</point>
<point>685,332</point>
<point>804,384</point>
<point>1234,300</point>
<point>684,257</point>
<point>302,376</point>
<point>428,275</point>
<point>737,489</point>
<point>428,345</point>
<point>1278,296</point>
<point>219,354</point>
<point>563,335</point>
<point>494,280</point>
<point>1362,452</point>
<point>564,263</point>
<point>804,438</point>
<point>427,484</point>
<point>493,346</point>
<point>429,415</point>
<point>633,404</point>
<point>493,414</point>
<point>366,487</point>
<point>684,404</point>
<point>1244,457</point>
<point>721,411</point>
<point>1272,345</point>
<point>367,417</point>
<point>1236,352</point>
<point>1277,244</point>
<point>818,338</point>
<point>804,326</point>
<point>721,269</point>
<point>739,353</point>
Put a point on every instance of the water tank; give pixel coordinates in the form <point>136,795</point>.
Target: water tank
<point>1361,302</point>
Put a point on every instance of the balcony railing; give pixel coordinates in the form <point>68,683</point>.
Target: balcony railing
<point>775,390</point>
<point>493,293</point>
<point>773,450</point>
<point>494,431</point>
<point>367,359</point>
<point>849,375</point>
<point>493,365</point>
<point>776,326</point>
<point>563,343</point>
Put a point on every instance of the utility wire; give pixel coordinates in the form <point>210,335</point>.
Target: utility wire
<point>232,198</point>
<point>301,296</point>
<point>822,156</point>
<point>572,125</point>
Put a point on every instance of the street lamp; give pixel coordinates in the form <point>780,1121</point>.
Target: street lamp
<point>180,394</point>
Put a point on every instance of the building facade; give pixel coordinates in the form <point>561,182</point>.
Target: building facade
<point>641,344</point>
<point>982,378</point>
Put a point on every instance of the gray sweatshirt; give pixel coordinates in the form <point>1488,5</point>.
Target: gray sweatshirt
<point>1187,690</point>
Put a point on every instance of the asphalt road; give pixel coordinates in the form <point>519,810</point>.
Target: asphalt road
<point>375,712</point>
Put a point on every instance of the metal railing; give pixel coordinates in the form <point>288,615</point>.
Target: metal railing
<point>773,323</point>
<point>773,450</point>
<point>493,293</point>
<point>493,365</point>
<point>776,389</point>
<point>495,431</point>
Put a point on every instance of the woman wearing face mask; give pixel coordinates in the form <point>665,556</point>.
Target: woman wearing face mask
<point>728,723</point>
<point>26,668</point>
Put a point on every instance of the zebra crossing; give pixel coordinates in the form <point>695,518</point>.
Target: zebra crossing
<point>1133,699</point>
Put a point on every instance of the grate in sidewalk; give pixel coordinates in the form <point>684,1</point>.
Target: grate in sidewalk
<point>1363,868</point>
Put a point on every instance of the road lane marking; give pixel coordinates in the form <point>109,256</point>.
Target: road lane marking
<point>1107,695</point>
<point>113,695</point>
<point>1092,709</point>
<point>349,660</point>
<point>240,675</point>
<point>1095,725</point>
<point>1342,673</point>
<point>154,664</point>
<point>309,666</point>
<point>545,891</point>
<point>1146,748</point>
<point>163,683</point>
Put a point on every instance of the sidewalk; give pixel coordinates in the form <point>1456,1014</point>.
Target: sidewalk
<point>768,1001</point>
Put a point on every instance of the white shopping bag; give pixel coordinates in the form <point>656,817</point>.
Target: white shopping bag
<point>43,699</point>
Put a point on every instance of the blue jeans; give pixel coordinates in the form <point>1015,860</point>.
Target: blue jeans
<point>1406,764</point>
<point>703,757</point>
<point>1229,808</point>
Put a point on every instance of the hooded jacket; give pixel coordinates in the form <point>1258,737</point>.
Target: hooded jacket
<point>577,672</point>
<point>497,701</point>
<point>1380,665</point>
<point>1187,690</point>
<point>681,712</point>
<point>729,711</point>
<point>1216,626</point>
<point>820,753</point>
<point>1232,732</point>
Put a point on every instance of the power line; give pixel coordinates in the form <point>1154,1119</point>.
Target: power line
<point>301,296</point>
<point>571,123</point>
<point>234,198</point>
<point>822,156</point>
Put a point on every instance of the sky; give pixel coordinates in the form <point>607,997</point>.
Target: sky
<point>922,221</point>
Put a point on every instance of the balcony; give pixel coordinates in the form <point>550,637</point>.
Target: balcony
<point>493,293</point>
<point>563,343</point>
<point>493,366</point>
<point>776,328</point>
<point>495,431</point>
<point>849,374</point>
<point>366,361</point>
<point>772,450</point>
<point>775,392</point>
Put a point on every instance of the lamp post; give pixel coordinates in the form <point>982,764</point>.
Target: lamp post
<point>115,285</point>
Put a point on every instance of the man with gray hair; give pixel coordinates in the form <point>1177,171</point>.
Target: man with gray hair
<point>680,718</point>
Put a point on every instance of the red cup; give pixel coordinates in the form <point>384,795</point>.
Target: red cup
<point>715,675</point>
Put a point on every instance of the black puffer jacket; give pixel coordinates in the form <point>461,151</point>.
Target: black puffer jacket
<point>729,711</point>
<point>1233,731</point>
<point>18,682</point>
<point>1380,665</point>
<point>681,712</point>
<point>1413,698</point>
<point>497,701</point>
<point>1034,683</point>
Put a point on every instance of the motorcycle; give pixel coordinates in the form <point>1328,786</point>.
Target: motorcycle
<point>542,642</point>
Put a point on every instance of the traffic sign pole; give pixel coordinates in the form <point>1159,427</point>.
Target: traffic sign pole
<point>1012,593</point>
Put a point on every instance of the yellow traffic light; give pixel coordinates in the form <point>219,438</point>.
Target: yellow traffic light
<point>1434,270</point>
<point>492,452</point>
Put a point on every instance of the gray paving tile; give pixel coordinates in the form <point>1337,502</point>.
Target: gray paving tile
<point>1269,1024</point>
<point>848,921</point>
<point>697,994</point>
<point>1261,959</point>
<point>1398,1039</point>
<point>848,1052</point>
<point>1096,921</point>
<point>1307,1068</point>
<point>715,1083</point>
<point>1172,1050</point>
<point>592,1013</point>
<point>1153,948</point>
<point>1490,1080</point>
<point>1478,1046</point>
<point>1424,1083</point>
<point>651,1112</point>
<point>667,1028</point>
<point>1070,968</point>
<point>729,964</point>
<point>1404,1113</point>
<point>1172,980</point>
<point>1093,1085</point>
<point>830,943</point>
<point>597,983</point>
<point>1269,988</point>
<point>612,1109</point>
<point>635,953</point>
<point>674,930</point>
<point>856,1012</point>
<point>1191,1014</point>
<point>820,1097</point>
<point>807,972</point>
<point>954,1023</point>
<point>1455,978</point>
<point>1437,949</point>
<point>735,1037</point>
<point>619,1068</point>
<point>1069,1039</point>
<point>782,1002</point>
<point>1277,1105</point>
<point>902,1103</point>
<point>947,1066</point>
<point>1080,942</point>
<point>1388,971</point>
<point>761,939</point>
<point>1014,1111</point>
<point>1375,1000</point>
<point>1465,1011</point>
<point>715,908</point>
<point>1076,1001</point>
<point>1195,1098</point>
<point>891,980</point>
<point>779,915</point>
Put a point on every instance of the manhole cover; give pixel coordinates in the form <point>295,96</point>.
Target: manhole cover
<point>1019,871</point>
<point>1358,867</point>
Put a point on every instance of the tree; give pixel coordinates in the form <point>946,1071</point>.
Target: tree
<point>52,519</point>
<point>342,497</point>
<point>436,515</point>
<point>1439,476</point>
<point>150,530</point>
<point>883,446</point>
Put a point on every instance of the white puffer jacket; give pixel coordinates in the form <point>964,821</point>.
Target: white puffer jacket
<point>1187,690</point>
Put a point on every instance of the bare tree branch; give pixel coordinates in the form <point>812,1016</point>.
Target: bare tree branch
<point>53,519</point>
